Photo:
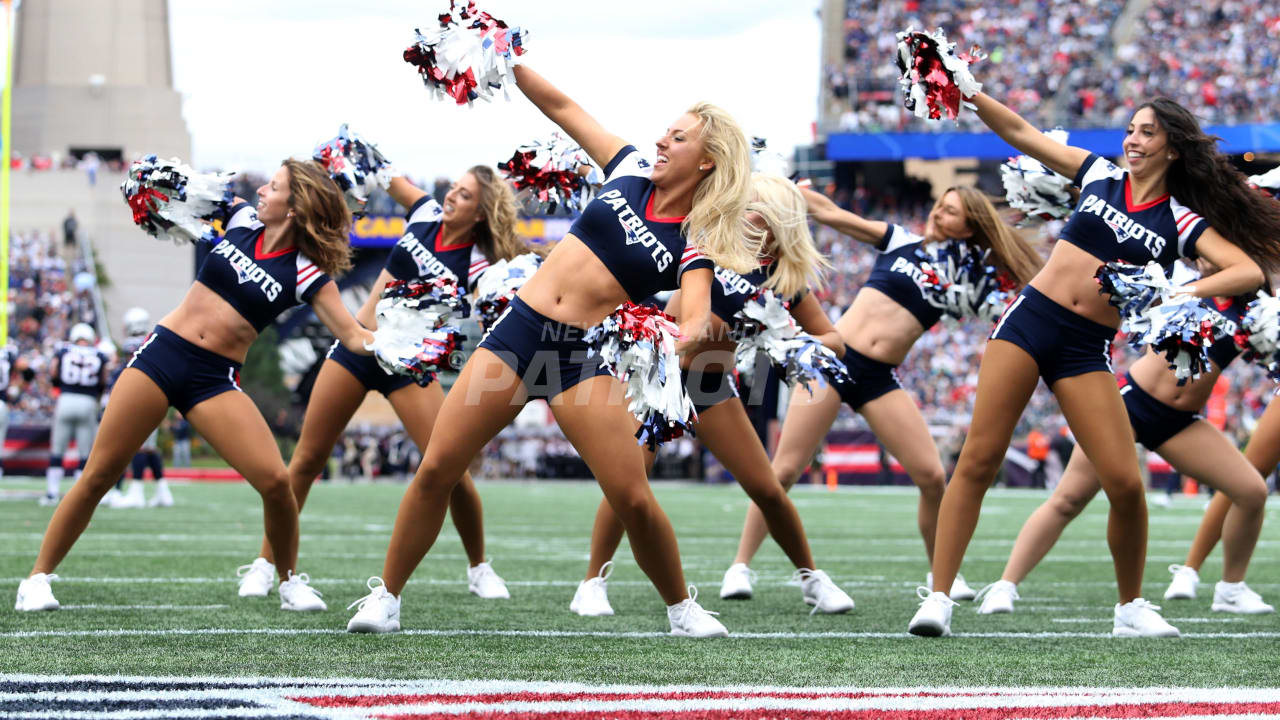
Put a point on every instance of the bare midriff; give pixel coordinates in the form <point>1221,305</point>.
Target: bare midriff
<point>207,321</point>
<point>878,327</point>
<point>573,286</point>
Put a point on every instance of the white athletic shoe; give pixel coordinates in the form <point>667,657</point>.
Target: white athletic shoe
<point>162,498</point>
<point>49,500</point>
<point>379,611</point>
<point>1238,598</point>
<point>933,619</point>
<point>592,597</point>
<point>998,597</point>
<point>737,583</point>
<point>689,619</point>
<point>820,592</point>
<point>257,578</point>
<point>296,593</point>
<point>132,498</point>
<point>112,497</point>
<point>35,594</point>
<point>485,583</point>
<point>1163,500</point>
<point>1140,618</point>
<point>1184,583</point>
<point>960,590</point>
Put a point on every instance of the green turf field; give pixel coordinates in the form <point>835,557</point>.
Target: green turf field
<point>184,559</point>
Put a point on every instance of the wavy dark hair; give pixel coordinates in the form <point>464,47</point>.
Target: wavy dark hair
<point>1203,179</point>
<point>322,223</point>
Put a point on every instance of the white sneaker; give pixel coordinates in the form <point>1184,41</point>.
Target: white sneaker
<point>35,594</point>
<point>297,594</point>
<point>592,597</point>
<point>823,594</point>
<point>933,619</point>
<point>112,497</point>
<point>1238,598</point>
<point>132,498</point>
<point>49,500</point>
<point>257,578</point>
<point>485,583</point>
<point>379,611</point>
<point>162,498</point>
<point>1162,499</point>
<point>1184,583</point>
<point>1140,618</point>
<point>960,590</point>
<point>737,583</point>
<point>689,619</point>
<point>998,597</point>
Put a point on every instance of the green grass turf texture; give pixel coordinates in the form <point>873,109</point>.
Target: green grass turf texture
<point>537,536</point>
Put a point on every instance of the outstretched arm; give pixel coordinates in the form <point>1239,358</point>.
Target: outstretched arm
<point>404,192</point>
<point>1062,159</point>
<point>823,210</point>
<point>328,306</point>
<point>599,143</point>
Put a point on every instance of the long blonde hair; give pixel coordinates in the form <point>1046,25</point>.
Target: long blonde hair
<point>321,227</point>
<point>496,233</point>
<point>717,223</point>
<point>797,264</point>
<point>1008,251</point>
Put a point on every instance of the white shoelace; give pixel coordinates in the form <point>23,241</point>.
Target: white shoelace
<point>47,577</point>
<point>926,594</point>
<point>605,571</point>
<point>1143,604</point>
<point>374,594</point>
<point>1177,569</point>
<point>825,584</point>
<point>1011,589</point>
<point>253,567</point>
<point>304,579</point>
<point>690,607</point>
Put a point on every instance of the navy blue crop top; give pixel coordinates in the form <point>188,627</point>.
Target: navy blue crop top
<point>897,273</point>
<point>646,254</point>
<point>418,255</point>
<point>258,285</point>
<point>1225,349</point>
<point>731,290</point>
<point>1107,225</point>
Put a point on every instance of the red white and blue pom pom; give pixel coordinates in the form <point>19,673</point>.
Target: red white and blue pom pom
<point>356,166</point>
<point>468,56</point>
<point>169,199</point>
<point>1131,289</point>
<point>637,344</point>
<point>935,79</point>
<point>412,337</point>
<point>499,283</point>
<point>1259,334</point>
<point>765,326</point>
<point>766,161</point>
<point>960,282</point>
<point>1034,189</point>
<point>550,174</point>
<point>1268,181</point>
<point>1182,329</point>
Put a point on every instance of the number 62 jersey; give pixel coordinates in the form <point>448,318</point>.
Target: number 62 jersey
<point>81,369</point>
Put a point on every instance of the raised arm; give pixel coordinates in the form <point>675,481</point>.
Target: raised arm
<point>404,192</point>
<point>1062,159</point>
<point>823,210</point>
<point>599,143</point>
<point>328,306</point>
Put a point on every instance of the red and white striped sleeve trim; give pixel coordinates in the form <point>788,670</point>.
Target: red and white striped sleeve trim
<point>691,253</point>
<point>478,265</point>
<point>1187,222</point>
<point>308,274</point>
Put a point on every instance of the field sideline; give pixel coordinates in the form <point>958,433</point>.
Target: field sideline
<point>152,593</point>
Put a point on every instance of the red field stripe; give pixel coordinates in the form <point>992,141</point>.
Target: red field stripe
<point>1133,710</point>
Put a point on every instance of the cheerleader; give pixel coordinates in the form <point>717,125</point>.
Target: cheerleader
<point>629,243</point>
<point>274,257</point>
<point>1164,417</point>
<point>476,226</point>
<point>792,267</point>
<point>889,313</point>
<point>1263,454</point>
<point>1176,190</point>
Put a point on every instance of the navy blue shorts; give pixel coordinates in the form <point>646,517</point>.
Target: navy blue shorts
<point>1153,421</point>
<point>1063,344</point>
<point>366,369</point>
<point>708,388</point>
<point>188,374</point>
<point>549,356</point>
<point>871,379</point>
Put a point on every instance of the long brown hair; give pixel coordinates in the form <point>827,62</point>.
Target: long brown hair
<point>1008,251</point>
<point>496,232</point>
<point>321,227</point>
<point>1203,179</point>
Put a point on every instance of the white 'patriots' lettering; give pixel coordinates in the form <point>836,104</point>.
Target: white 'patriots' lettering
<point>429,266</point>
<point>733,283</point>
<point>248,271</point>
<point>1124,227</point>
<point>636,231</point>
